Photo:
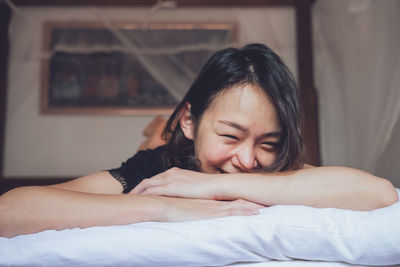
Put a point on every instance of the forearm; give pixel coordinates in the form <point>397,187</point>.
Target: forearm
<point>33,209</point>
<point>337,187</point>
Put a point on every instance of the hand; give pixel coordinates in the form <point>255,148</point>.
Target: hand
<point>178,209</point>
<point>177,182</point>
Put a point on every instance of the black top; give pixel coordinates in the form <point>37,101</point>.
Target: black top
<point>144,164</point>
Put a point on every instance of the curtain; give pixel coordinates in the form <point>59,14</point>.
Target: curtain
<point>357,70</point>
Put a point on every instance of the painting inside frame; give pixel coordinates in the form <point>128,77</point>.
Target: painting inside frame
<point>92,70</point>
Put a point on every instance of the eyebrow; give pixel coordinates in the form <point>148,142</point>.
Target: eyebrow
<point>244,129</point>
<point>234,125</point>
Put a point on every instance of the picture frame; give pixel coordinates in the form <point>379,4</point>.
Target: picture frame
<point>88,70</point>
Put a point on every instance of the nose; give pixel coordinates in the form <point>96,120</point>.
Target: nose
<point>245,158</point>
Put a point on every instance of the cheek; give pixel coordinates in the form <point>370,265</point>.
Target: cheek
<point>212,152</point>
<point>266,159</point>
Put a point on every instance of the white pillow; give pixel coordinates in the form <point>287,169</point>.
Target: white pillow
<point>279,232</point>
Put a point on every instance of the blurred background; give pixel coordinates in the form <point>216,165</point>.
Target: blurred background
<point>80,83</point>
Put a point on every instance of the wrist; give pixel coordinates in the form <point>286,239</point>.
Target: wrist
<point>145,208</point>
<point>223,189</point>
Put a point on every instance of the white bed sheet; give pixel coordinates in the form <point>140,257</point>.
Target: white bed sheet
<point>298,263</point>
<point>281,233</point>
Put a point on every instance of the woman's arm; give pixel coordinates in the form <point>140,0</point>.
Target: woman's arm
<point>32,209</point>
<point>321,187</point>
<point>338,187</point>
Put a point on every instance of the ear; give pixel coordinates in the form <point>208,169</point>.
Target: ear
<point>186,121</point>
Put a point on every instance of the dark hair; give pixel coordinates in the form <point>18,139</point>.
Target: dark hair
<point>254,64</point>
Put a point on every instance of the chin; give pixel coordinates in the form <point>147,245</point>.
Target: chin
<point>211,170</point>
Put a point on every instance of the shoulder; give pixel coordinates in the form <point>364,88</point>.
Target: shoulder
<point>157,154</point>
<point>153,160</point>
<point>144,164</point>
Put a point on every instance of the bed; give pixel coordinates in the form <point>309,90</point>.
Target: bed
<point>278,236</point>
<point>281,235</point>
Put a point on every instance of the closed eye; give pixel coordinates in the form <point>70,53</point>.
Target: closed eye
<point>232,137</point>
<point>269,145</point>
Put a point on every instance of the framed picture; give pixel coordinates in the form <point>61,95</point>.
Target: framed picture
<point>93,68</point>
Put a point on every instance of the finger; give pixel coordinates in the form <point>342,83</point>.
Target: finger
<point>147,183</point>
<point>156,190</point>
<point>241,211</point>
<point>245,203</point>
<point>138,188</point>
<point>163,190</point>
<point>244,212</point>
<point>243,208</point>
<point>234,211</point>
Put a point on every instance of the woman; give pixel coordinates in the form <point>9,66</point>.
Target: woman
<point>235,136</point>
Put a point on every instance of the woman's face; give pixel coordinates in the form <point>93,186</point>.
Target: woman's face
<point>239,132</point>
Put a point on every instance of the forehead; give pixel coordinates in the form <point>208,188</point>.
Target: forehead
<point>245,104</point>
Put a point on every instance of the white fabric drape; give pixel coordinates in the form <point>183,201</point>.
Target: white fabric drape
<point>357,67</point>
<point>161,60</point>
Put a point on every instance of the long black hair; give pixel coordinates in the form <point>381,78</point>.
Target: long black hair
<point>254,64</point>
